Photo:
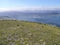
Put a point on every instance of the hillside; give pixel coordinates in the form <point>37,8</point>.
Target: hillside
<point>13,32</point>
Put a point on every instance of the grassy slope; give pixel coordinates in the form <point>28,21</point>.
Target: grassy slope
<point>28,33</point>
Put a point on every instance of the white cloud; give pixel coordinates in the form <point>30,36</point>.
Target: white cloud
<point>27,8</point>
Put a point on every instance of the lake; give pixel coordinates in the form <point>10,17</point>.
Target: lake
<point>53,19</point>
<point>47,19</point>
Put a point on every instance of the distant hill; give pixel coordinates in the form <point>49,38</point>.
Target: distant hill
<point>14,32</point>
<point>6,18</point>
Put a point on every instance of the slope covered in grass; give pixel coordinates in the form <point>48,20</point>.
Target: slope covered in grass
<point>14,32</point>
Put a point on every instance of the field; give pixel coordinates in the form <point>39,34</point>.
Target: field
<point>14,32</point>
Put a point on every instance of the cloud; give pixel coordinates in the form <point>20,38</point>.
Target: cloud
<point>27,8</point>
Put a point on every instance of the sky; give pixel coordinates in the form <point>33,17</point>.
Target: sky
<point>6,5</point>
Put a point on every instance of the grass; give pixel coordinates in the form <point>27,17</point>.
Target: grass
<point>13,32</point>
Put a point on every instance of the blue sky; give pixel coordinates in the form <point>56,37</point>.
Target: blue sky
<point>28,4</point>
